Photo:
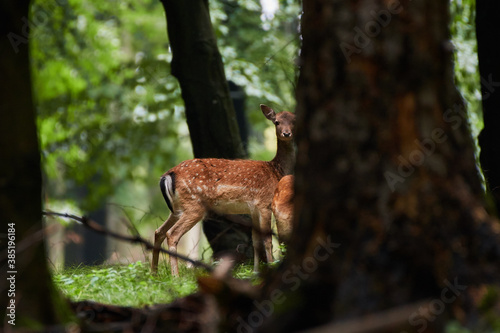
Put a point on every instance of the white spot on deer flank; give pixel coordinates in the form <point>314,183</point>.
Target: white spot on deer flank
<point>186,186</point>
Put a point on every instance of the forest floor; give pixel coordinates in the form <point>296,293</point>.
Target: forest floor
<point>133,284</point>
<point>128,298</point>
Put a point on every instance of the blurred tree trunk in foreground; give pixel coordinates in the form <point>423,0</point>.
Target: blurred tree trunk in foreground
<point>389,204</point>
<point>488,34</point>
<point>26,280</point>
<point>211,119</point>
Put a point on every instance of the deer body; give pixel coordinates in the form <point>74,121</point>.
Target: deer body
<point>195,187</point>
<point>282,207</point>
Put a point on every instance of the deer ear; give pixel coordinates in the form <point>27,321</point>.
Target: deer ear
<point>268,112</point>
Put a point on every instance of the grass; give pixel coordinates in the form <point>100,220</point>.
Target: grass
<point>127,285</point>
<point>133,284</point>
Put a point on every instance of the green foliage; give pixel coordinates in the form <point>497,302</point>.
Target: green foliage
<point>259,54</point>
<point>455,327</point>
<point>111,114</point>
<point>131,285</point>
<point>246,272</point>
<point>466,61</point>
<point>104,96</point>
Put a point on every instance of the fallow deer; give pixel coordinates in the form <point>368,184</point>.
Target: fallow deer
<point>282,207</point>
<point>195,187</point>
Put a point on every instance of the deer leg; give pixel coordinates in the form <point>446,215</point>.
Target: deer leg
<point>160,235</point>
<point>284,228</point>
<point>256,239</point>
<point>257,245</point>
<point>188,220</point>
<point>261,236</point>
<point>265,229</point>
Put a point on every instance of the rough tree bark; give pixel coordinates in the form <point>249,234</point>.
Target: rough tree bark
<point>389,204</point>
<point>36,301</point>
<point>488,32</point>
<point>197,64</point>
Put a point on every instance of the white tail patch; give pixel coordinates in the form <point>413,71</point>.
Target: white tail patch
<point>169,189</point>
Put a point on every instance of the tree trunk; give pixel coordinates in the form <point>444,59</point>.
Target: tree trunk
<point>29,299</point>
<point>488,33</point>
<point>389,206</point>
<point>211,119</point>
<point>197,64</point>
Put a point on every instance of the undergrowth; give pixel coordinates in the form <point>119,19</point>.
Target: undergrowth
<point>128,285</point>
<point>133,284</point>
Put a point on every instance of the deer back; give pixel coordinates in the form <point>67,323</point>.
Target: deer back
<point>224,186</point>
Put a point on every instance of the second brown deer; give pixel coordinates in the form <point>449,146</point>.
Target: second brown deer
<point>195,187</point>
<point>282,207</point>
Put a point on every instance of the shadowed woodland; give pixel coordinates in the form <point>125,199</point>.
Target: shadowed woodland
<point>395,228</point>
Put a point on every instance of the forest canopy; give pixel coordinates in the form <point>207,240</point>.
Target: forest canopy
<point>110,114</point>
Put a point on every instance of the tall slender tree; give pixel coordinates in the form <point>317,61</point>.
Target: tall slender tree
<point>197,64</point>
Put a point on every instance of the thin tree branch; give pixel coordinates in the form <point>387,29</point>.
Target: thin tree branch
<point>131,239</point>
<point>275,53</point>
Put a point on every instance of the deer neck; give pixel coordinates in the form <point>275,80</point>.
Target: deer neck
<point>284,161</point>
